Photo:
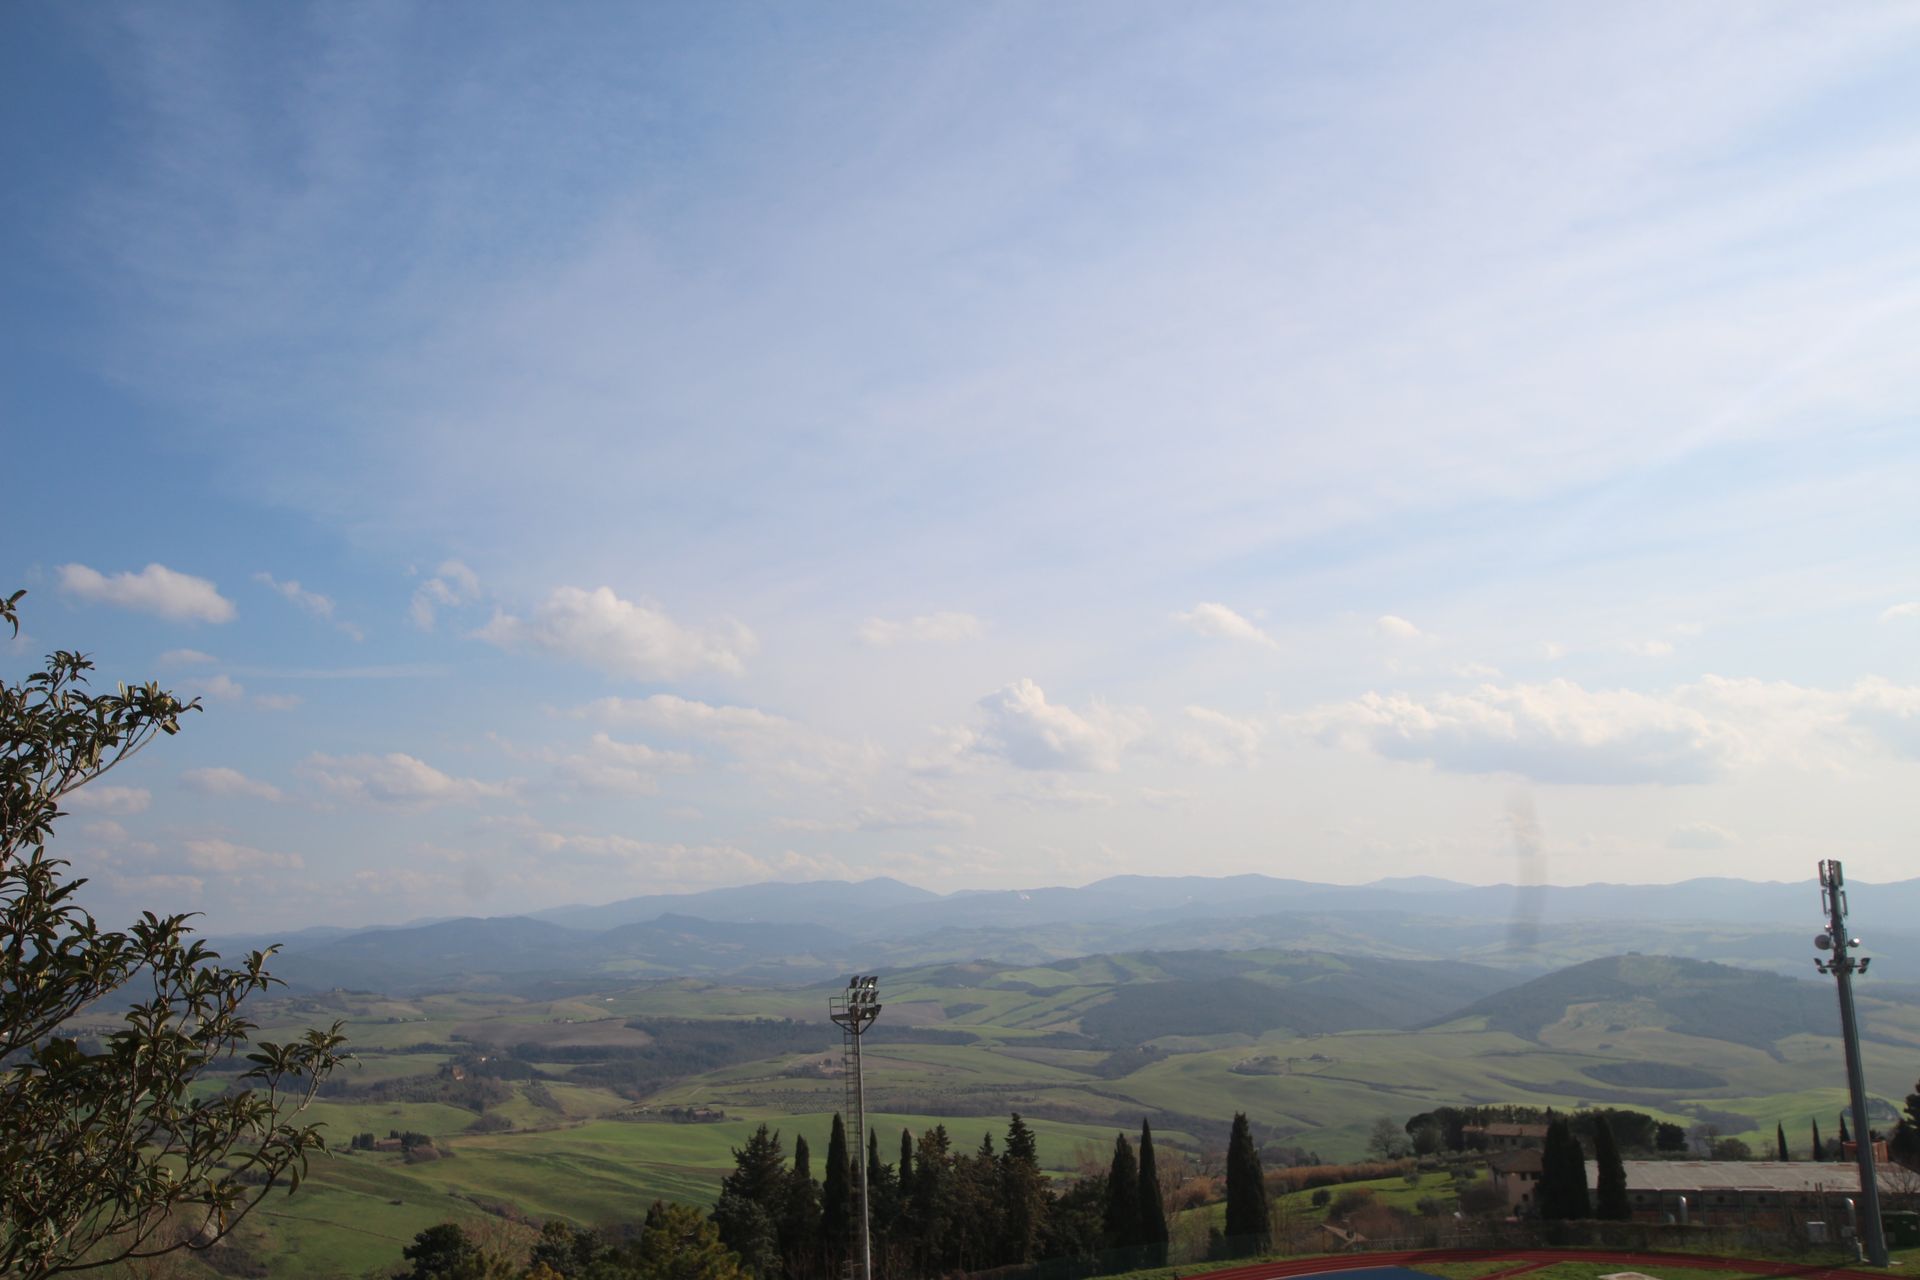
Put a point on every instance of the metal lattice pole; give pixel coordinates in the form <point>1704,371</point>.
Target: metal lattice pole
<point>1833,899</point>
<point>855,1012</point>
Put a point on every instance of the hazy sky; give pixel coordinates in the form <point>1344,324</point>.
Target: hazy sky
<point>579,451</point>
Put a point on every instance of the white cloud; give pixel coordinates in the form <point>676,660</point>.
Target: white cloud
<point>1553,732</point>
<point>310,601</point>
<point>100,797</point>
<point>397,780</point>
<point>1026,730</point>
<point>220,688</point>
<point>452,586</point>
<point>1165,798</point>
<point>277,701</point>
<point>1701,835</point>
<point>156,589</point>
<point>685,717</point>
<point>222,781</point>
<point>932,628</point>
<point>226,857</point>
<point>620,637</point>
<point>760,741</point>
<point>1649,648</point>
<point>1218,622</point>
<point>951,754</point>
<point>1216,738</point>
<point>185,658</point>
<point>1910,609</point>
<point>630,767</point>
<point>1890,712</point>
<point>1562,732</point>
<point>1397,628</point>
<point>1552,651</point>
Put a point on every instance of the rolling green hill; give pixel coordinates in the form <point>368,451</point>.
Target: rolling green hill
<point>579,1119</point>
<point>1690,997</point>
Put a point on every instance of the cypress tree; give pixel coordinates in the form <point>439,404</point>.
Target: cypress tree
<point>1121,1222</point>
<point>1819,1152</point>
<point>752,1203</point>
<point>1612,1198</point>
<point>1153,1210</point>
<point>800,1223</point>
<point>1023,1191</point>
<point>905,1172</point>
<point>1845,1137</point>
<point>1247,1228</point>
<point>1780,1138</point>
<point>1563,1176</point>
<point>836,1198</point>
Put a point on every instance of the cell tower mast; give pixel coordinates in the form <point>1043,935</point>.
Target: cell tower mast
<point>855,1012</point>
<point>1833,900</point>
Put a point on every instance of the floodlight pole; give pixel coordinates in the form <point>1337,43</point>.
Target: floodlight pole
<point>855,1012</point>
<point>1833,899</point>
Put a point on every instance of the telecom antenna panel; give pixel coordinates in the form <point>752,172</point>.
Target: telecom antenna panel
<point>855,1012</point>
<point>1842,965</point>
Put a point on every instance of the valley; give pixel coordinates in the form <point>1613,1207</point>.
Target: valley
<point>588,1105</point>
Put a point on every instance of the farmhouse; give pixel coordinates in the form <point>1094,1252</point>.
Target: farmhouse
<point>1516,1175</point>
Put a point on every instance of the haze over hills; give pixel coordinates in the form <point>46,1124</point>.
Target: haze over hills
<point>880,906</point>
<point>787,933</point>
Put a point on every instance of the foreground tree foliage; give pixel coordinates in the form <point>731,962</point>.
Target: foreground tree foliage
<point>105,1154</point>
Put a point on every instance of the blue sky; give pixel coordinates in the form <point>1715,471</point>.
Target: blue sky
<point>623,449</point>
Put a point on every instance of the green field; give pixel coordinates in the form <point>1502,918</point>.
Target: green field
<point>573,1145</point>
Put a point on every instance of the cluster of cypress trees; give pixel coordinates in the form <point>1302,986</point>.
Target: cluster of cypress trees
<point>1563,1191</point>
<point>1134,1224</point>
<point>934,1211</point>
<point>937,1211</point>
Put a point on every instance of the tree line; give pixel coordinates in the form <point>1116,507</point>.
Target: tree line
<point>937,1209</point>
<point>934,1210</point>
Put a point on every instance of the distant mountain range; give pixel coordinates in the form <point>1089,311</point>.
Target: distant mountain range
<point>814,931</point>
<point>881,906</point>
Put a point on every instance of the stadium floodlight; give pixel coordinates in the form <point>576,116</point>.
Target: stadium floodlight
<point>1833,900</point>
<point>855,1011</point>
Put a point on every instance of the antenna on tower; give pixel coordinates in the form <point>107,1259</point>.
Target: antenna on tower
<point>1833,901</point>
<point>855,1012</point>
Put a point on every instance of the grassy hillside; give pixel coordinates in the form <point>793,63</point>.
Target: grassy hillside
<point>1690,997</point>
<point>582,1124</point>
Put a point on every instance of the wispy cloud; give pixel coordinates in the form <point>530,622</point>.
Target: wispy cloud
<point>104,797</point>
<point>223,781</point>
<point>452,586</point>
<point>1027,731</point>
<point>1394,627</point>
<point>1218,622</point>
<point>630,639</point>
<point>398,780</point>
<point>310,602</point>
<point>156,589</point>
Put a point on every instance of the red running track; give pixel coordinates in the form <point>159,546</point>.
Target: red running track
<point>1525,1260</point>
